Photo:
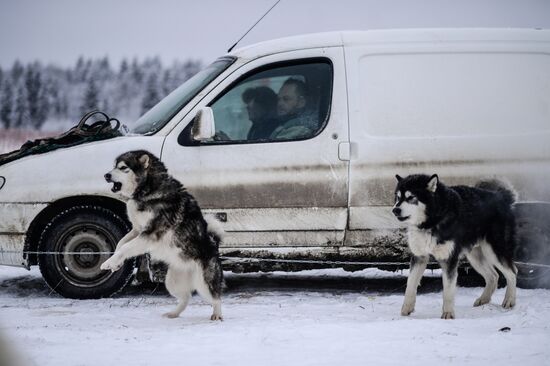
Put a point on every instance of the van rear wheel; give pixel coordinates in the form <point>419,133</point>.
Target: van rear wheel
<point>533,245</point>
<point>87,230</point>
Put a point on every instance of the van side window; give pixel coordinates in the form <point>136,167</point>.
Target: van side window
<point>276,103</point>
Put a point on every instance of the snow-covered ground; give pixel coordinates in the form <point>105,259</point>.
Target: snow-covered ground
<point>266,324</point>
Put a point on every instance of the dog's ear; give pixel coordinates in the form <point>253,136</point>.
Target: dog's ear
<point>398,177</point>
<point>432,183</point>
<point>145,161</point>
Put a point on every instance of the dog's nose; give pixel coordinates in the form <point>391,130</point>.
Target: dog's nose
<point>108,177</point>
<point>396,211</point>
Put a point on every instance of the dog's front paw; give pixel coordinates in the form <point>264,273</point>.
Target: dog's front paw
<point>407,308</point>
<point>111,264</point>
<point>171,315</point>
<point>216,317</point>
<point>481,301</point>
<point>509,302</point>
<point>448,315</point>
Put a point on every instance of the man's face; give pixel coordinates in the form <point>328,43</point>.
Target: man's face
<point>289,103</point>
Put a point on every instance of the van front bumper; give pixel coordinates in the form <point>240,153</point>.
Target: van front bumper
<point>15,219</point>
<point>12,248</point>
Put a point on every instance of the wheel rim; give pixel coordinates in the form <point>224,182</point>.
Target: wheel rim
<point>83,269</point>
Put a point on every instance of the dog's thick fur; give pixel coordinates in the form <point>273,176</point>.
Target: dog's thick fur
<point>448,222</point>
<point>168,224</point>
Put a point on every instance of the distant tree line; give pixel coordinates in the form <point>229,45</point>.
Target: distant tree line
<point>33,94</point>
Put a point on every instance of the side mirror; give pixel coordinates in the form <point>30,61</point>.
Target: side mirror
<point>204,127</point>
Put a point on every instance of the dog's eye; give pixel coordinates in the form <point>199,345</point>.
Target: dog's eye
<point>124,168</point>
<point>412,199</point>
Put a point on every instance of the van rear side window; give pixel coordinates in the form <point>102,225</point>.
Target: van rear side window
<point>467,94</point>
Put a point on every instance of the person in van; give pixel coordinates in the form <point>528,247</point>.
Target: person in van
<point>261,105</point>
<point>296,121</point>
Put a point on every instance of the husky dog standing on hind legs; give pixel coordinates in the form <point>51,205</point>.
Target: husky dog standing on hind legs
<point>168,224</point>
<point>448,222</point>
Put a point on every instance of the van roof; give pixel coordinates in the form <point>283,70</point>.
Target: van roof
<point>390,36</point>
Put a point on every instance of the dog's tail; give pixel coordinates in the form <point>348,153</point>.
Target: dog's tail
<point>214,230</point>
<point>502,187</point>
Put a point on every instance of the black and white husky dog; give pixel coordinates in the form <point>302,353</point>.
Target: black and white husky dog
<point>448,222</point>
<point>168,224</point>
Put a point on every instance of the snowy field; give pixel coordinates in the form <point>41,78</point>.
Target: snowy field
<point>325,317</point>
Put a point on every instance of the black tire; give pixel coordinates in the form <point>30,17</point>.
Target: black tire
<point>533,245</point>
<point>83,228</point>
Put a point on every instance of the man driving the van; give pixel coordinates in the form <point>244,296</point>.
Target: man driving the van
<point>261,106</point>
<point>295,121</point>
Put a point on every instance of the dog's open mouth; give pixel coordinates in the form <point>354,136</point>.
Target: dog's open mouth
<point>117,186</point>
<point>403,218</point>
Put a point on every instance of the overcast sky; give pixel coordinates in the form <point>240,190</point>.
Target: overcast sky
<point>58,31</point>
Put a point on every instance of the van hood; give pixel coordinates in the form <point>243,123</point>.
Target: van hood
<point>70,171</point>
<point>48,144</point>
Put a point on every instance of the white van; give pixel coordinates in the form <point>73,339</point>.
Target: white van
<point>465,104</point>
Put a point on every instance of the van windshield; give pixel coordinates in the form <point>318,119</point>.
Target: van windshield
<point>154,119</point>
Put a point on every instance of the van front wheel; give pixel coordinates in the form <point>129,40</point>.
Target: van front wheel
<point>69,243</point>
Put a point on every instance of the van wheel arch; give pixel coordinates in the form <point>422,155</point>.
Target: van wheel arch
<point>42,220</point>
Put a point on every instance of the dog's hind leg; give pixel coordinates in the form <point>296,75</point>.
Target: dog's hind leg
<point>508,270</point>
<point>215,301</point>
<point>418,265</point>
<point>209,287</point>
<point>510,275</point>
<point>178,284</point>
<point>485,268</point>
<point>450,273</point>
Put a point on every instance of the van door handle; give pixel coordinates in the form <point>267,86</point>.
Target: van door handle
<point>344,151</point>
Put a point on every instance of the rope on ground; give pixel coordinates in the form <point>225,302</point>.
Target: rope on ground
<point>532,264</point>
<point>265,260</point>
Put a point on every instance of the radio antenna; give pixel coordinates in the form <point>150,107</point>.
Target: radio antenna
<point>248,31</point>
